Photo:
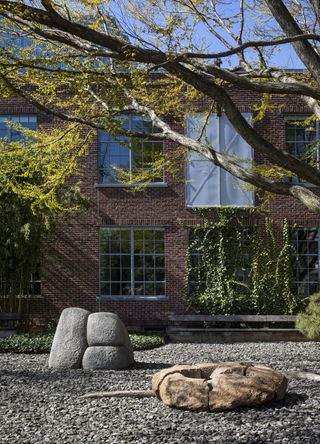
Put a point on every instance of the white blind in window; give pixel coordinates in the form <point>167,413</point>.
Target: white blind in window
<point>208,185</point>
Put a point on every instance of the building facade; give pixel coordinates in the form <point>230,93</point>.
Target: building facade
<point>128,252</point>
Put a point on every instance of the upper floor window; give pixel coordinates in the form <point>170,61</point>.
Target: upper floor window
<point>302,139</point>
<point>208,185</point>
<point>119,152</point>
<point>306,242</point>
<point>12,134</point>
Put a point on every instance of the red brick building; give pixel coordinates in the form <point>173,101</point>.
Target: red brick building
<point>128,252</point>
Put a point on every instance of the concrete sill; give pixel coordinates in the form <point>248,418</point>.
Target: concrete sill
<point>123,185</point>
<point>131,298</point>
<point>25,297</point>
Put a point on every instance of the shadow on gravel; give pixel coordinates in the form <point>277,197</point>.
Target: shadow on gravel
<point>46,374</point>
<point>290,400</point>
<point>150,365</point>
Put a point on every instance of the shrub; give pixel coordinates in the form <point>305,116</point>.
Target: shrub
<point>147,341</point>
<point>309,321</point>
<point>41,343</point>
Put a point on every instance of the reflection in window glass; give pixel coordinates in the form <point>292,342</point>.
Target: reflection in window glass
<point>11,134</point>
<point>127,153</point>
<point>306,260</point>
<point>132,262</point>
<point>302,139</point>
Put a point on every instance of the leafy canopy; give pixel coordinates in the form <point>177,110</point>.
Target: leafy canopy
<point>89,61</point>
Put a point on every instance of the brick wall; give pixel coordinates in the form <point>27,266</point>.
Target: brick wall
<point>71,276</point>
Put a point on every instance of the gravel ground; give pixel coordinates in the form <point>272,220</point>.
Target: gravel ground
<point>39,405</point>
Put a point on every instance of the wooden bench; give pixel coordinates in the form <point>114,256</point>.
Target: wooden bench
<point>263,329</point>
<point>8,323</point>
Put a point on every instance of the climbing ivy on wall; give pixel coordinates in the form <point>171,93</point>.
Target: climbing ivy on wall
<point>233,268</point>
<point>217,285</point>
<point>271,272</point>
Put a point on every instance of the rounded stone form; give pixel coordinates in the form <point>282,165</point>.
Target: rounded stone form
<point>230,385</point>
<point>70,339</point>
<point>106,358</point>
<point>105,329</point>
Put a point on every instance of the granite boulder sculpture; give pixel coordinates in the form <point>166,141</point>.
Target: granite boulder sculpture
<point>96,341</point>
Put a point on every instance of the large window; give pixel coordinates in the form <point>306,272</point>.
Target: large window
<point>302,139</point>
<point>10,133</point>
<point>306,242</point>
<point>132,262</point>
<point>127,153</point>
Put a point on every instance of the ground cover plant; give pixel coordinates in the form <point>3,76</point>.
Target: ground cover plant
<point>41,342</point>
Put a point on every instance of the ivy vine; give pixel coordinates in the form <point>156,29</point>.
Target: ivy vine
<point>238,269</point>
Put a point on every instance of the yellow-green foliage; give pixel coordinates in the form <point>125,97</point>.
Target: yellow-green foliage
<point>37,169</point>
<point>37,185</point>
<point>309,321</point>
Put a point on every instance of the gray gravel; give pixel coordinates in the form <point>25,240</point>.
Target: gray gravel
<point>41,405</point>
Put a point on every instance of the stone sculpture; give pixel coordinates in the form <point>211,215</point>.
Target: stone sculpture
<point>211,387</point>
<point>97,341</point>
<point>70,339</point>
<point>218,386</point>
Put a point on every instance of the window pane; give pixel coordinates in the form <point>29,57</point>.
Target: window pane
<point>160,289</point>
<point>149,274</point>
<point>160,274</point>
<point>159,261</point>
<point>25,120</point>
<point>139,274</point>
<point>139,261</point>
<point>126,288</point>
<point>126,274</point>
<point>104,268</point>
<point>115,274</point>
<point>115,289</point>
<point>139,289</point>
<point>138,246</point>
<point>126,261</point>
<point>305,260</point>
<point>149,261</point>
<point>105,288</point>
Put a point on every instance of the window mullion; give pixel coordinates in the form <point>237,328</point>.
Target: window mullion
<point>132,259</point>
<point>130,148</point>
<point>318,257</point>
<point>317,137</point>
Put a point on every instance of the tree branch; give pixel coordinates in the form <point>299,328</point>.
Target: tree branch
<point>290,27</point>
<point>247,132</point>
